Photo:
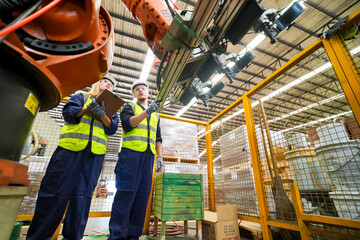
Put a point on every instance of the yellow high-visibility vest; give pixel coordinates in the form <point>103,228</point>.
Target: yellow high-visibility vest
<point>75,137</point>
<point>144,133</point>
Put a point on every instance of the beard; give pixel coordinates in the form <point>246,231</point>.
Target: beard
<point>142,98</point>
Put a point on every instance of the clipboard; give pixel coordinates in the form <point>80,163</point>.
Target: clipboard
<point>112,104</point>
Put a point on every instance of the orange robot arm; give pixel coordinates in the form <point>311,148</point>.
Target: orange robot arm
<point>62,44</point>
<point>69,47</point>
<point>155,19</point>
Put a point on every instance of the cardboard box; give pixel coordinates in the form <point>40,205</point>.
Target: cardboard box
<point>222,224</point>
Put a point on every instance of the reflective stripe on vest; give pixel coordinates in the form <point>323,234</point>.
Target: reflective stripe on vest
<point>75,137</point>
<point>138,138</point>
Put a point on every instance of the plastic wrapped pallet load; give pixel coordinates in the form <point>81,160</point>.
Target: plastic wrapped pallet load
<point>239,183</point>
<point>181,168</point>
<point>176,134</point>
<point>235,147</point>
<point>239,188</point>
<point>37,166</point>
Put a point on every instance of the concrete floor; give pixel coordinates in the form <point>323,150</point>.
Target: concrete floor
<point>100,226</point>
<point>95,227</point>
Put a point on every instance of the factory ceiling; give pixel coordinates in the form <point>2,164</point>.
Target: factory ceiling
<point>131,51</point>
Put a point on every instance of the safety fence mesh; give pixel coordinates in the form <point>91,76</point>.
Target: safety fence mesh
<point>308,134</point>
<point>233,171</point>
<point>305,117</point>
<point>331,232</point>
<point>179,156</point>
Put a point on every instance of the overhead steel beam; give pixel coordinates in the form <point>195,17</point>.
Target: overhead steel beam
<point>308,31</point>
<point>131,68</point>
<point>118,16</point>
<point>317,7</point>
<point>128,58</point>
<point>122,46</point>
<point>140,38</point>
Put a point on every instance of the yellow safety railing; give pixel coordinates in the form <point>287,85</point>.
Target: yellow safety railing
<point>345,67</point>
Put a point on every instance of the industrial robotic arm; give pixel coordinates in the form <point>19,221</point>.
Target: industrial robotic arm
<point>59,45</point>
<point>155,19</point>
<point>72,36</point>
<point>67,48</point>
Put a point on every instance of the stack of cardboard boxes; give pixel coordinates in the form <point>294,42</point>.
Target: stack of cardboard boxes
<point>237,170</point>
<point>222,224</point>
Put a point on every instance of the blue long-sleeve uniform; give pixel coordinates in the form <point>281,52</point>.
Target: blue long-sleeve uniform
<point>133,182</point>
<point>125,115</point>
<point>70,179</point>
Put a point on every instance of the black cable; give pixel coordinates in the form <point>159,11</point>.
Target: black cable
<point>23,15</point>
<point>170,8</point>
<point>221,5</point>
<point>158,74</point>
<point>7,6</point>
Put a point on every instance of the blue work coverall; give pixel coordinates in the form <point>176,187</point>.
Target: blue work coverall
<point>133,183</point>
<point>70,177</point>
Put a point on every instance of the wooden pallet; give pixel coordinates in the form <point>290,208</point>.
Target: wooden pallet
<point>254,228</point>
<point>172,159</point>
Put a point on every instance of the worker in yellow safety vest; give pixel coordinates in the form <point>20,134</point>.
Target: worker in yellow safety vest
<point>75,166</point>
<point>141,139</point>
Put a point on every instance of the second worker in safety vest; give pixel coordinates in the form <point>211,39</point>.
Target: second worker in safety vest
<point>141,139</point>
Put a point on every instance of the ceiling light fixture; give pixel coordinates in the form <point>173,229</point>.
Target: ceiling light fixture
<point>147,65</point>
<point>184,109</point>
<point>318,121</point>
<point>253,44</point>
<point>308,107</point>
<point>217,158</point>
<point>297,81</point>
<point>284,88</point>
<point>355,50</point>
